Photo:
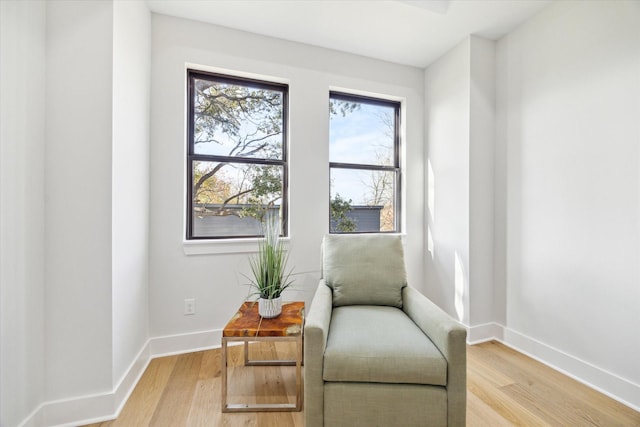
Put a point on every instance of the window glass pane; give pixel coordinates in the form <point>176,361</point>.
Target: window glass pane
<point>237,120</point>
<point>236,158</point>
<point>231,199</point>
<point>361,133</point>
<point>362,200</point>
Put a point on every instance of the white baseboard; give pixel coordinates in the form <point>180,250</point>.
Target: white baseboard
<point>107,406</point>
<point>482,333</point>
<point>92,408</point>
<point>612,385</point>
<point>185,343</point>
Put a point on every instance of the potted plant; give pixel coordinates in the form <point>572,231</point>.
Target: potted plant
<point>269,270</point>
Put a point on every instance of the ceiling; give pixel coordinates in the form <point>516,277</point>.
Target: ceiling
<point>406,32</point>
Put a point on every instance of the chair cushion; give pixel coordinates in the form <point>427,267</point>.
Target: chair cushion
<point>364,269</point>
<point>380,344</point>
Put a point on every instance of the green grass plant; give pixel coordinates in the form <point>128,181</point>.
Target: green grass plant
<point>270,276</point>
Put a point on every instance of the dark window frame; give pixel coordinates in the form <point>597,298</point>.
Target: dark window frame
<point>396,168</point>
<point>192,157</point>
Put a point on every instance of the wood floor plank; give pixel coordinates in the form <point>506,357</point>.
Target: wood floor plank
<point>501,403</point>
<point>504,388</point>
<point>488,371</point>
<point>211,362</point>
<point>543,391</point>
<point>202,403</point>
<point>178,394</point>
<point>479,414</point>
<point>143,402</point>
<point>546,407</point>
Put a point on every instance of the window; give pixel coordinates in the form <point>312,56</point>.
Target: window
<point>236,155</point>
<point>364,164</point>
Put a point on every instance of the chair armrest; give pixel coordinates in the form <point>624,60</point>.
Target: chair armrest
<point>450,338</point>
<point>316,330</point>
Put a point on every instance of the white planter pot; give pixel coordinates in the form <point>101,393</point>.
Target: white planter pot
<point>269,308</point>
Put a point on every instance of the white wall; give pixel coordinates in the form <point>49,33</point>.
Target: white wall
<point>22,113</point>
<point>215,281</point>
<point>481,180</point>
<point>447,129</point>
<point>78,198</point>
<point>96,204</point>
<point>569,161</point>
<point>533,224</point>
<point>459,127</point>
<point>130,182</point>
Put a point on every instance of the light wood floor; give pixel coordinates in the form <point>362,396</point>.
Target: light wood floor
<point>505,388</point>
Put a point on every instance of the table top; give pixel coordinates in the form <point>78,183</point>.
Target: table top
<point>248,323</point>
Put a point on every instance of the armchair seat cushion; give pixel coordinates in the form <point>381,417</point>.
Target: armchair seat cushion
<point>380,344</point>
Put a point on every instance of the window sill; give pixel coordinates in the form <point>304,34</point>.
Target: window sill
<point>224,246</point>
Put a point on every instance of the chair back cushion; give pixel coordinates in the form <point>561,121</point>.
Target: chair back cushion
<point>364,269</point>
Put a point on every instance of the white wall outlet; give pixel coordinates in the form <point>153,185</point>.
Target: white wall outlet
<point>189,306</point>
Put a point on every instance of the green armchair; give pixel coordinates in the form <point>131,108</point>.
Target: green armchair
<point>376,351</point>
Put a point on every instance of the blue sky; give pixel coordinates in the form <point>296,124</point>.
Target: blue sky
<point>361,136</point>
<point>356,137</point>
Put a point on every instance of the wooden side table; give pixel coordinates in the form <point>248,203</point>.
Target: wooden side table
<point>248,326</point>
